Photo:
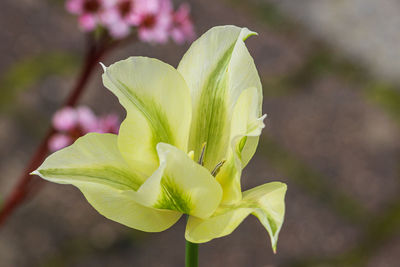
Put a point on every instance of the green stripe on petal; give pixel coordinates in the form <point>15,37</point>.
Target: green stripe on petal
<point>93,158</point>
<point>173,197</point>
<point>158,105</point>
<point>245,130</point>
<point>95,166</point>
<point>180,184</point>
<point>266,202</point>
<point>217,68</point>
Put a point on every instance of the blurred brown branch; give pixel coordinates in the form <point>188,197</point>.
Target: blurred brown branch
<point>27,185</point>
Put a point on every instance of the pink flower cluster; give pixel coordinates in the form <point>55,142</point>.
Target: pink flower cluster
<point>72,123</point>
<point>155,20</point>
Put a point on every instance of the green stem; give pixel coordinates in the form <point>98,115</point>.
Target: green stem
<point>192,254</point>
<point>192,249</point>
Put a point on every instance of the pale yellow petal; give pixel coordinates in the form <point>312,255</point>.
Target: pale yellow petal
<point>180,184</point>
<point>217,69</point>
<point>266,202</point>
<point>245,130</point>
<point>158,107</point>
<point>94,165</point>
<point>118,206</point>
<point>92,158</point>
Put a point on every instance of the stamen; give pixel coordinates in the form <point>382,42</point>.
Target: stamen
<point>203,150</point>
<point>217,168</point>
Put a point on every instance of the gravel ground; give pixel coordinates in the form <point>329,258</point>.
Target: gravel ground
<point>365,30</point>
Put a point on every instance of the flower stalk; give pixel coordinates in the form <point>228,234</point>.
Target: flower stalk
<point>192,254</point>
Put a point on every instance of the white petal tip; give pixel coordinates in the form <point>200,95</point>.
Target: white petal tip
<point>263,117</point>
<point>103,66</point>
<point>36,172</point>
<point>261,120</point>
<point>246,33</point>
<point>251,33</point>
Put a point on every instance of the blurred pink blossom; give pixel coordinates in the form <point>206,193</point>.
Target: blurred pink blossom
<point>71,124</point>
<point>155,20</point>
<point>65,119</point>
<point>87,120</point>
<point>89,11</point>
<point>182,27</point>
<point>119,18</point>
<point>58,141</point>
<point>108,124</point>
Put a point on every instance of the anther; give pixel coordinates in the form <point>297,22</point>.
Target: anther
<point>203,150</point>
<point>217,168</point>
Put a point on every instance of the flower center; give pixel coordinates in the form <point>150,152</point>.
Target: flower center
<point>218,167</point>
<point>91,6</point>
<point>124,8</point>
<point>149,21</point>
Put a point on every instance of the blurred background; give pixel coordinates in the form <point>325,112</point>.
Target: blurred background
<point>330,73</point>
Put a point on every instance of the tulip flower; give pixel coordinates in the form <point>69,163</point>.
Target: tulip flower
<point>188,134</point>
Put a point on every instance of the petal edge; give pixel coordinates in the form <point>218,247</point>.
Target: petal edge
<point>266,202</point>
